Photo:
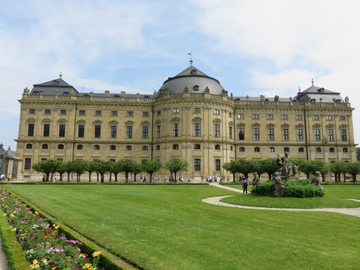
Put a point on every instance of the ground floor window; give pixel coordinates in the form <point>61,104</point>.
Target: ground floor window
<point>197,166</point>
<point>217,165</point>
<point>27,164</point>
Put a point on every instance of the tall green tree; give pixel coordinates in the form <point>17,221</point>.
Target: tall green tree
<point>232,167</point>
<point>338,168</point>
<point>61,169</point>
<point>138,168</point>
<point>91,168</point>
<point>117,168</point>
<point>245,167</point>
<point>151,166</point>
<point>127,166</point>
<point>175,165</point>
<point>311,166</point>
<point>101,168</point>
<point>268,166</point>
<point>79,167</point>
<point>358,153</point>
<point>48,167</point>
<point>111,167</point>
<point>354,169</point>
<point>69,169</point>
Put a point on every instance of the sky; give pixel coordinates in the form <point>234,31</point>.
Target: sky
<point>252,47</point>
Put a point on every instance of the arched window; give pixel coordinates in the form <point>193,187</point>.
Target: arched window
<point>29,146</point>
<point>332,150</point>
<point>241,149</point>
<point>301,150</point>
<point>318,150</point>
<point>112,147</point>
<point>231,148</point>
<point>60,146</point>
<point>145,148</point>
<point>175,146</point>
<point>80,147</point>
<point>271,149</point>
<point>66,93</point>
<point>96,147</point>
<point>217,147</point>
<point>286,149</point>
<point>196,88</point>
<point>257,149</point>
<point>345,150</point>
<point>196,146</point>
<point>128,147</point>
<point>158,147</point>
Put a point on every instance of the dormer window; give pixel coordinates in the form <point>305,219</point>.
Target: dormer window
<point>55,82</point>
<point>313,100</point>
<point>116,96</point>
<point>196,88</point>
<point>36,93</point>
<point>161,92</point>
<point>66,93</point>
<point>337,101</point>
<point>321,90</point>
<point>193,71</point>
<point>146,97</point>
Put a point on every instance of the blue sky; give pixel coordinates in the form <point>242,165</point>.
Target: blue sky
<point>251,47</point>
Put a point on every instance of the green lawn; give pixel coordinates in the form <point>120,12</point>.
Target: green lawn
<point>335,197</point>
<point>168,227</point>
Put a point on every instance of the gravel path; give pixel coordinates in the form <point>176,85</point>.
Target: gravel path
<point>3,265</point>
<point>216,201</point>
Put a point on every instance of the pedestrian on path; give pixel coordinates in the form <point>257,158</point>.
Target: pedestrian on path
<point>245,185</point>
<point>189,179</point>
<point>8,177</point>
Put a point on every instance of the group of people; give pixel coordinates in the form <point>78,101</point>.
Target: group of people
<point>214,178</point>
<point>3,177</point>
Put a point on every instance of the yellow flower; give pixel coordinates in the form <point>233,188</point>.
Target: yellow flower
<point>97,253</point>
<point>35,262</point>
<point>87,266</point>
<point>14,230</point>
<point>5,215</point>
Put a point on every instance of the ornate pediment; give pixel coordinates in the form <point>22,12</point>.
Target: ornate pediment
<point>62,121</point>
<point>129,123</point>
<point>217,121</point>
<point>113,122</point>
<point>299,126</point>
<point>240,125</point>
<point>285,126</point>
<point>81,122</point>
<point>270,126</point>
<point>343,126</point>
<point>145,123</point>
<point>31,120</point>
<point>255,125</point>
<point>158,122</point>
<point>175,120</point>
<point>97,122</point>
<point>317,126</point>
<point>46,120</point>
<point>231,123</point>
<point>330,126</point>
<point>197,120</point>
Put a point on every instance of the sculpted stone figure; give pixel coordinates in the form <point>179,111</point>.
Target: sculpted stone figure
<point>256,179</point>
<point>279,186</point>
<point>285,168</point>
<point>315,180</point>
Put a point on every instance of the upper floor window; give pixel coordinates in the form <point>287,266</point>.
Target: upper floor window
<point>47,111</point>
<point>97,131</point>
<point>299,117</point>
<point>196,146</point>
<point>345,150</point>
<point>316,134</point>
<point>285,134</point>
<point>32,111</point>
<point>332,150</point>
<point>270,134</point>
<point>217,131</point>
<point>82,112</point>
<point>229,114</point>
<point>269,116</point>
<point>217,147</point>
<point>230,133</point>
<point>46,130</point>
<point>255,116</point>
<point>286,149</point>
<point>241,134</point>
<point>62,111</point>
<point>300,136</point>
<point>216,111</point>
<point>145,148</point>
<point>342,117</point>
<point>80,147</point>
<point>158,131</point>
<point>61,130</point>
<point>145,134</point>
<point>113,131</point>
<point>328,117</point>
<point>343,135</point>
<point>240,116</point>
<point>301,150</point>
<point>315,117</point>
<point>60,146</point>
<point>318,150</point>
<point>158,112</point>
<point>114,113</point>
<point>96,147</point>
<point>175,146</point>
<point>256,134</point>
<point>128,148</point>
<point>197,129</point>
<point>271,149</point>
<point>330,135</point>
<point>196,110</point>
<point>145,113</point>
<point>130,113</point>
<point>81,131</point>
<point>241,149</point>
<point>45,146</point>
<point>176,110</point>
<point>112,147</point>
<point>29,146</point>
<point>257,149</point>
<point>98,113</point>
<point>129,132</point>
<point>284,117</point>
<point>176,130</point>
<point>31,130</point>
<point>158,147</point>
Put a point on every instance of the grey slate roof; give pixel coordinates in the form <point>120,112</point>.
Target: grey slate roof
<point>315,92</point>
<point>50,87</point>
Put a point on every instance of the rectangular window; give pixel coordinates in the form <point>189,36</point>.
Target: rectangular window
<point>328,117</point>
<point>158,112</point>
<point>145,132</point>
<point>32,111</point>
<point>197,167</point>
<point>317,134</point>
<point>330,135</point>
<point>158,131</point>
<point>240,116</point>
<point>285,134</point>
<point>176,130</point>
<point>256,134</point>
<point>129,132</point>
<point>217,165</point>
<point>114,113</point>
<point>27,164</point>
<point>130,113</point>
<point>343,135</point>
<point>197,129</point>
<point>176,110</point>
<point>31,130</point>
<point>145,113</point>
<point>81,131</point>
<point>270,116</point>
<point>241,134</point>
<point>61,130</point>
<point>284,117</point>
<point>82,112</point>
<point>255,116</point>
<point>315,117</point>
<point>196,110</point>
<point>47,111</point>
<point>62,111</point>
<point>300,135</point>
<point>97,131</point>
<point>342,117</point>
<point>217,130</point>
<point>230,133</point>
<point>98,113</point>
<point>299,117</point>
<point>46,130</point>
<point>271,134</point>
<point>216,111</point>
<point>113,131</point>
<point>229,114</point>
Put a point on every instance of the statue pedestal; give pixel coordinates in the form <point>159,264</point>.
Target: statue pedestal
<point>279,190</point>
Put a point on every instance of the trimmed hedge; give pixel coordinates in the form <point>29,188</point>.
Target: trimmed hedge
<point>265,188</point>
<point>106,183</point>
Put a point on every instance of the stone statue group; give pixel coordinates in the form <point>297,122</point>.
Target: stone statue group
<point>285,172</point>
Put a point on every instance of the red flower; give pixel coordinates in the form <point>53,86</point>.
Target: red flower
<point>43,256</point>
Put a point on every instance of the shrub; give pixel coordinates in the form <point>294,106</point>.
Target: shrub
<point>264,189</point>
<point>302,191</point>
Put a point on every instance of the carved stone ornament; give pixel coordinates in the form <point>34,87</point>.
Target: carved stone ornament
<point>299,126</point>
<point>256,125</point>
<point>207,90</point>
<point>129,123</point>
<point>81,122</point>
<point>31,120</point>
<point>113,122</point>
<point>186,89</point>
<point>270,126</point>
<point>217,121</point>
<point>241,125</point>
<point>145,123</point>
<point>26,91</point>
<point>97,122</point>
<point>330,126</point>
<point>46,120</point>
<point>158,122</point>
<point>61,121</point>
<point>285,126</point>
<point>166,91</point>
<point>175,120</point>
<point>197,120</point>
<point>231,123</point>
<point>317,126</point>
<point>343,126</point>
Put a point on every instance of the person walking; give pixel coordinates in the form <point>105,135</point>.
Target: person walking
<point>102,178</point>
<point>8,177</point>
<point>245,185</point>
<point>43,177</point>
<point>189,179</point>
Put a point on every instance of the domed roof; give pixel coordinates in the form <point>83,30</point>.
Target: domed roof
<point>195,80</point>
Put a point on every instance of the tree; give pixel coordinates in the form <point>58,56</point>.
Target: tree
<point>101,168</point>
<point>138,168</point>
<point>245,167</point>
<point>61,169</point>
<point>91,168</point>
<point>151,166</point>
<point>117,167</point>
<point>175,165</point>
<point>357,153</point>
<point>298,162</point>
<point>79,167</point>
<point>311,166</point>
<point>111,168</point>
<point>127,166</point>
<point>265,166</point>
<point>232,167</point>
<point>48,167</point>
<point>354,169</point>
<point>337,168</point>
<point>69,169</point>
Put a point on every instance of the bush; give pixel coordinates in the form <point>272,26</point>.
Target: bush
<point>264,189</point>
<point>300,182</point>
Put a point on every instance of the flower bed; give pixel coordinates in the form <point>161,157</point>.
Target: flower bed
<point>44,245</point>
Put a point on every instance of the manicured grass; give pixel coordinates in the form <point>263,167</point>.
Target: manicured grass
<point>335,197</point>
<point>168,227</point>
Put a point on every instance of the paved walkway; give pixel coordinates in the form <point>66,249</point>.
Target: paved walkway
<point>216,201</point>
<point>3,265</point>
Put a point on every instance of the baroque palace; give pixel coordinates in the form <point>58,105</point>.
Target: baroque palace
<point>191,117</point>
